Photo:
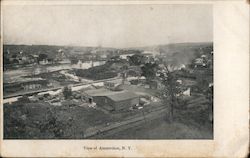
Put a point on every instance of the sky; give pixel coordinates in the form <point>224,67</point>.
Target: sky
<point>107,26</point>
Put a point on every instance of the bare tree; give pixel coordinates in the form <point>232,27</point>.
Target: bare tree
<point>170,91</point>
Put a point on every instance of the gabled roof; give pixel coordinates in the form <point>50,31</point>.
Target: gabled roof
<point>113,95</point>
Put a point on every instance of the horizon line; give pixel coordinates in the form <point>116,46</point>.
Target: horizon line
<point>104,46</point>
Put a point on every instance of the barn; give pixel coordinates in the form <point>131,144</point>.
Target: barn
<point>112,100</point>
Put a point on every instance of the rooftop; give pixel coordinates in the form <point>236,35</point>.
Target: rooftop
<point>114,95</point>
<point>22,80</point>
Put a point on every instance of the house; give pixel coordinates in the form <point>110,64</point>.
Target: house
<point>149,59</point>
<point>64,61</point>
<point>155,84</point>
<point>203,56</point>
<point>33,85</point>
<point>102,55</point>
<point>199,61</point>
<point>150,53</point>
<point>111,84</point>
<point>25,84</point>
<point>187,92</point>
<point>125,56</point>
<point>112,100</point>
<point>32,58</point>
<point>182,67</point>
<point>44,62</point>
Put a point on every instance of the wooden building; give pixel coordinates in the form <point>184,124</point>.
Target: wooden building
<point>112,100</point>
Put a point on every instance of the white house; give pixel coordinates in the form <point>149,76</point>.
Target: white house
<point>153,53</point>
<point>125,56</point>
<point>198,61</point>
<point>182,67</point>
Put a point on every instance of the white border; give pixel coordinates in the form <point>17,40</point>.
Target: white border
<point>231,80</point>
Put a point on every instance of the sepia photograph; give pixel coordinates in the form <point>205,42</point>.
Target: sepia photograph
<point>108,71</point>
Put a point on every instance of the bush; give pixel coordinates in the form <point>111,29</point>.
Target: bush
<point>134,82</point>
<point>67,92</point>
<point>24,99</point>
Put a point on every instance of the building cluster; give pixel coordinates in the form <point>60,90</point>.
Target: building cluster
<point>26,84</point>
<point>91,96</point>
<point>205,60</point>
<point>23,58</point>
<point>20,58</point>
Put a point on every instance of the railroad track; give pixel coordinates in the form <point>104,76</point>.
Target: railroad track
<point>54,89</point>
<point>117,127</point>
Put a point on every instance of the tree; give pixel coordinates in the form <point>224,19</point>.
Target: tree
<point>136,59</point>
<point>42,57</point>
<point>124,67</point>
<point>209,95</point>
<point>6,61</point>
<point>15,61</point>
<point>51,60</point>
<point>149,71</point>
<point>170,92</point>
<point>14,56</point>
<point>74,60</point>
<point>67,92</point>
<point>51,124</point>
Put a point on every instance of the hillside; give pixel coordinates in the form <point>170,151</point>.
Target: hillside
<point>181,53</point>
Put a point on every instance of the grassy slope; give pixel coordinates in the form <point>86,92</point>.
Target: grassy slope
<point>25,120</point>
<point>160,129</point>
<point>182,53</point>
<point>190,123</point>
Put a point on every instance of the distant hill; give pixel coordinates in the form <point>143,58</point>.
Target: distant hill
<point>180,53</point>
<point>182,47</point>
<point>183,53</point>
<point>50,49</point>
